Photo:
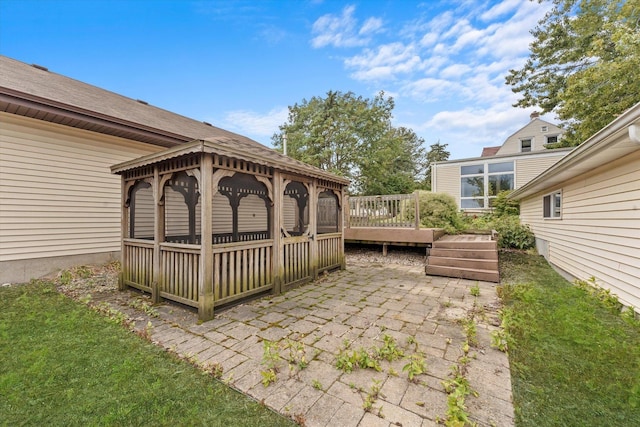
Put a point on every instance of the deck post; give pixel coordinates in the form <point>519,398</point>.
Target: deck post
<point>276,258</point>
<point>158,231</point>
<point>205,284</point>
<point>124,230</point>
<point>417,204</point>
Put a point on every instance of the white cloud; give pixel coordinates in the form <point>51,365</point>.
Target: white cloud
<point>255,125</point>
<point>500,9</point>
<point>384,62</point>
<point>371,25</point>
<point>342,30</point>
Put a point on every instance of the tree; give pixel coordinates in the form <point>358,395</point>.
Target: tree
<point>353,137</point>
<point>437,153</point>
<point>584,64</point>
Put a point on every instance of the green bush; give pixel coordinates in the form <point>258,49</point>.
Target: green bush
<point>504,206</point>
<point>512,234</point>
<point>437,210</point>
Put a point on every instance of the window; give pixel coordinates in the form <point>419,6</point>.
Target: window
<point>525,145</point>
<point>552,205</point>
<point>552,139</point>
<point>481,183</point>
<point>544,128</point>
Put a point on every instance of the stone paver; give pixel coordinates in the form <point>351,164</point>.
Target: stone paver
<point>312,324</point>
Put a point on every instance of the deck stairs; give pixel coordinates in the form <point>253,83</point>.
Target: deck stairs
<point>466,256</point>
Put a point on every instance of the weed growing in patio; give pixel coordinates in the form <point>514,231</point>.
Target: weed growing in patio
<point>270,360</point>
<point>389,350</point>
<point>416,366</point>
<point>475,290</point>
<point>317,385</point>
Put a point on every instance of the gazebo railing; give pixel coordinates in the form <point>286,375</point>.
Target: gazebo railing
<point>329,251</point>
<point>180,272</point>
<point>137,264</point>
<point>241,269</point>
<point>296,260</point>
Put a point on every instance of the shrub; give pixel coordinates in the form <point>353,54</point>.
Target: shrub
<point>512,234</point>
<point>437,210</point>
<point>504,206</point>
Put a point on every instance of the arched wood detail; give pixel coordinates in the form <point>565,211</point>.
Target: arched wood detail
<point>129,186</point>
<point>307,186</point>
<point>217,176</point>
<point>267,183</point>
<point>160,188</point>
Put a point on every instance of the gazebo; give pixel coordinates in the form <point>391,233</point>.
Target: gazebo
<point>210,222</point>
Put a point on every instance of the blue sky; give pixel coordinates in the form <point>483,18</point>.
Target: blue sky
<point>240,64</point>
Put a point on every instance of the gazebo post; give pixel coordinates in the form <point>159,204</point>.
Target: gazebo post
<point>344,222</point>
<point>313,228</point>
<point>158,234</point>
<point>205,284</point>
<point>277,267</point>
<point>124,229</point>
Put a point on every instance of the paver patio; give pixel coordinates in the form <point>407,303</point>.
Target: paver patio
<point>355,308</point>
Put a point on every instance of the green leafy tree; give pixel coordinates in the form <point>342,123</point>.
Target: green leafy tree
<point>584,64</point>
<point>437,153</point>
<point>352,136</point>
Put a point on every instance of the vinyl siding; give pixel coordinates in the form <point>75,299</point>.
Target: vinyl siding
<point>448,180</point>
<point>599,232</point>
<point>58,196</point>
<point>529,168</point>
<point>531,130</point>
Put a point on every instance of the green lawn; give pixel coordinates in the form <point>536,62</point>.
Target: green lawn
<point>574,362</point>
<point>64,364</point>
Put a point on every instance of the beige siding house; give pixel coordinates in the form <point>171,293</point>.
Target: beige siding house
<point>585,210</point>
<point>60,204</point>
<point>475,182</point>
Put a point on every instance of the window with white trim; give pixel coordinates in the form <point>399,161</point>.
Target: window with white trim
<point>480,183</point>
<point>525,145</point>
<point>552,205</point>
<point>544,128</point>
<point>551,139</point>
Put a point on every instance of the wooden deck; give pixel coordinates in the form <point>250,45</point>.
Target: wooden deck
<point>388,220</point>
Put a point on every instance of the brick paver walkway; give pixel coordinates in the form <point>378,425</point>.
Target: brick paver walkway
<point>354,308</point>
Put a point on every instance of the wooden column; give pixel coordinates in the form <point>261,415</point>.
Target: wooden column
<point>277,267</point>
<point>205,284</point>
<point>345,213</point>
<point>416,194</point>
<point>158,231</point>
<point>124,230</point>
<point>313,229</point>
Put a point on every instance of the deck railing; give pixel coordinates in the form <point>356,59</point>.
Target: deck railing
<point>329,251</point>
<point>241,269</point>
<point>137,264</point>
<point>384,211</point>
<point>180,272</point>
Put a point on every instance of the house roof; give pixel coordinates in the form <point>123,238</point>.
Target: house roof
<point>507,157</point>
<point>33,91</point>
<point>490,151</point>
<point>617,139</point>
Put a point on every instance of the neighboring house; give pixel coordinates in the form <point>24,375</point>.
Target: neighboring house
<point>475,182</point>
<point>60,205</point>
<point>585,210</point>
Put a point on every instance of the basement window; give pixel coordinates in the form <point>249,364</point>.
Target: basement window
<point>552,205</point>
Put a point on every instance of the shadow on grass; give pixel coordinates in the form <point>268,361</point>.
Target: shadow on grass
<point>63,364</point>
<point>574,361</point>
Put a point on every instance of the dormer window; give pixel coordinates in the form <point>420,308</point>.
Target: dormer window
<point>552,139</point>
<point>525,145</point>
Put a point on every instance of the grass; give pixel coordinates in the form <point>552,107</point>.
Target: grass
<point>574,362</point>
<point>64,364</point>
